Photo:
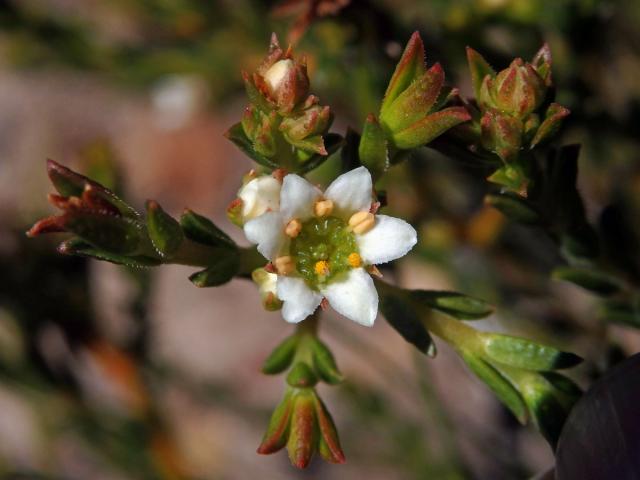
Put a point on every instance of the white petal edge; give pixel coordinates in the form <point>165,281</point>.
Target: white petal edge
<point>299,300</point>
<point>390,238</point>
<point>354,296</point>
<point>267,231</point>
<point>351,192</point>
<point>297,198</point>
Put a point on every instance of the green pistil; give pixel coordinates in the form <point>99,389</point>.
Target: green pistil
<point>327,239</point>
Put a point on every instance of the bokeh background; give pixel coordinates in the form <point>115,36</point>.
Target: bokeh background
<point>137,94</point>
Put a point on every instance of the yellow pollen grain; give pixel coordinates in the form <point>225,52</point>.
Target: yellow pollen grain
<point>354,260</point>
<point>322,268</point>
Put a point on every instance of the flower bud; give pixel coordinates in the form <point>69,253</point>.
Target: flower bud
<point>315,120</point>
<point>519,90</point>
<point>266,282</point>
<point>258,196</point>
<point>501,134</point>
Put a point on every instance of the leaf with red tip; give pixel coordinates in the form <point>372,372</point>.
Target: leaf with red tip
<point>551,124</point>
<point>329,445</point>
<point>278,431</point>
<point>302,441</point>
<point>410,67</point>
<point>430,127</point>
<point>372,151</point>
<point>479,68</point>
<point>542,62</point>
<point>415,102</point>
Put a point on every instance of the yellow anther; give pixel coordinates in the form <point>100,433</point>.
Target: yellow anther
<point>354,260</point>
<point>323,208</point>
<point>322,268</point>
<point>293,228</point>
<point>284,265</point>
<point>362,222</point>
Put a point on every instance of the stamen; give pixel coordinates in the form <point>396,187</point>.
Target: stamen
<point>293,228</point>
<point>354,260</point>
<point>322,268</point>
<point>362,222</point>
<point>323,208</point>
<point>284,265</point>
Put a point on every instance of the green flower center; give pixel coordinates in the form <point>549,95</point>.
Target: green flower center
<point>324,249</point>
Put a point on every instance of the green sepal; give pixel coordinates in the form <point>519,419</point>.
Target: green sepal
<point>165,232</point>
<point>455,304</point>
<point>525,354</point>
<point>303,431</point>
<point>222,271</point>
<point>239,138</point>
<point>415,101</point>
<point>79,247</point>
<point>514,207</point>
<point>332,143</point>
<point>590,279</point>
<point>301,376</point>
<point>479,68</point>
<point>513,176</point>
<point>402,316</point>
<point>202,230</point>
<point>553,121</point>
<point>275,438</point>
<point>324,363</point>
<point>498,383</point>
<point>430,127</point>
<point>281,356</point>
<point>410,67</point>
<point>372,151</point>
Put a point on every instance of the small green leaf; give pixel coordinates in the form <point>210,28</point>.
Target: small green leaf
<point>225,268</point>
<point>513,176</point>
<point>402,316</point>
<point>76,246</point>
<point>455,304</point>
<point>118,235</point>
<point>202,230</point>
<point>590,279</point>
<point>165,232</point>
<point>324,363</point>
<point>236,135</point>
<point>514,207</point>
<point>372,150</point>
<point>525,354</point>
<point>281,356</point>
<point>498,383</point>
<point>430,127</point>
<point>301,376</point>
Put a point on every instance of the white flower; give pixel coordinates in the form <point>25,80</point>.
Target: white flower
<point>321,245</point>
<point>260,195</point>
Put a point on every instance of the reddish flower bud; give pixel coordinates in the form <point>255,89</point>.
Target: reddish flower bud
<point>303,434</point>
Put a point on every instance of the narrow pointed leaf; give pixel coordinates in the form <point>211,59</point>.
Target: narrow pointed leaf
<point>281,356</point>
<point>403,317</point>
<point>239,138</point>
<point>81,248</point>
<point>513,207</point>
<point>430,127</point>
<point>525,354</point>
<point>455,304</point>
<point>165,232</point>
<point>202,230</point>
<point>590,279</point>
<point>372,150</point>
<point>324,363</point>
<point>479,68</point>
<point>222,271</point>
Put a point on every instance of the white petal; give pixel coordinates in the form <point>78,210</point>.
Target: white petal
<point>297,198</point>
<point>351,192</point>
<point>299,300</point>
<point>354,296</point>
<point>259,196</point>
<point>390,238</point>
<point>267,231</point>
